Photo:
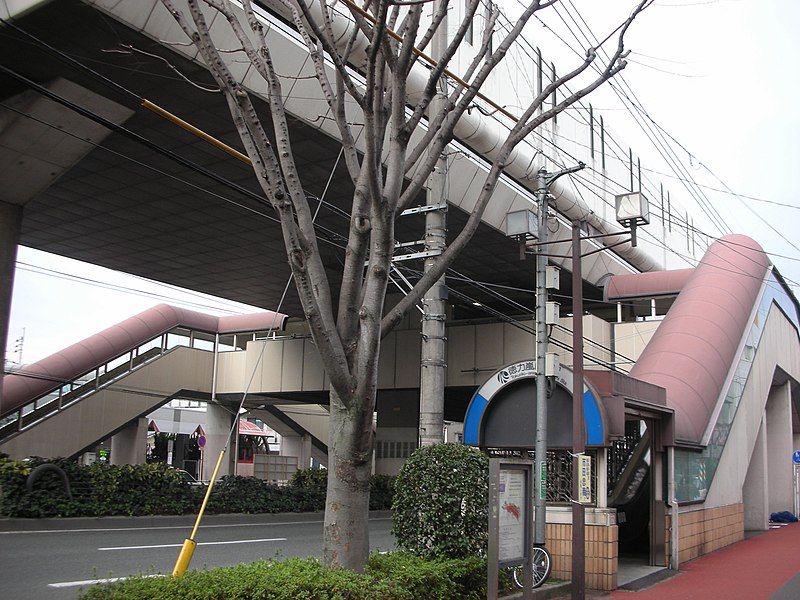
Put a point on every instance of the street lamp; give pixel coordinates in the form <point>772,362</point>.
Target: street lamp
<point>632,210</point>
<point>523,225</point>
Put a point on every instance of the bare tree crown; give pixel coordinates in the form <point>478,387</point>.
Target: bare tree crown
<point>371,66</point>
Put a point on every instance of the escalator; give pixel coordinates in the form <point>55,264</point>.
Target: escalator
<point>629,486</point>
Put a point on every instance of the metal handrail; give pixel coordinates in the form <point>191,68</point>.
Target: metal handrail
<point>70,392</point>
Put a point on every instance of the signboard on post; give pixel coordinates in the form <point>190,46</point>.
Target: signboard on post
<point>511,492</point>
<point>543,480</point>
<point>584,479</point>
<point>510,519</point>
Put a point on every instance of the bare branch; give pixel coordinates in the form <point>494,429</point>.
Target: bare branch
<point>330,48</point>
<point>518,133</point>
<point>435,76</point>
<point>444,134</point>
<point>303,254</point>
<point>436,21</point>
<point>335,100</point>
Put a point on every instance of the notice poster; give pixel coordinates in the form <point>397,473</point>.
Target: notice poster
<point>584,479</point>
<point>511,492</point>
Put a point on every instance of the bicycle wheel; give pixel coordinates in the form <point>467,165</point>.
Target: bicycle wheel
<point>541,568</point>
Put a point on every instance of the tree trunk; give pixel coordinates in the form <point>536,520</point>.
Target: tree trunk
<point>346,530</point>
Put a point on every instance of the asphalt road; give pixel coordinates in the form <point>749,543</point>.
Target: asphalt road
<point>52,563</point>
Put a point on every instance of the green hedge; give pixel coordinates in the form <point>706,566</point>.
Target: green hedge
<point>156,489</point>
<point>98,490</point>
<point>440,502</point>
<point>395,576</point>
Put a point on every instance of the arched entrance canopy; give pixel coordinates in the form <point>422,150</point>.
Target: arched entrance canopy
<point>502,413</point>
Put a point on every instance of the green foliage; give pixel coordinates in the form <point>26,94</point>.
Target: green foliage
<point>381,492</point>
<point>396,576</point>
<point>97,490</point>
<point>440,502</point>
<point>310,479</point>
<point>156,489</point>
<point>463,578</point>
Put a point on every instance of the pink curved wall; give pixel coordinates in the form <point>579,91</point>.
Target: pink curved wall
<point>49,373</point>
<point>693,349</point>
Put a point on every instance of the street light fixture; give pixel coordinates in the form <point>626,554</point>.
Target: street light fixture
<point>632,210</point>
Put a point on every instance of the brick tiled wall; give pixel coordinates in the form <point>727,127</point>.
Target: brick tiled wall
<point>706,530</point>
<point>601,554</point>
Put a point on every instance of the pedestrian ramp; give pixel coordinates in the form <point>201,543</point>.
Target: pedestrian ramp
<point>69,401</point>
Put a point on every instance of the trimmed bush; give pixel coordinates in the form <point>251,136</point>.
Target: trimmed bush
<point>237,494</point>
<point>463,578</point>
<point>310,479</point>
<point>396,576</point>
<point>156,489</point>
<point>440,502</point>
<point>98,490</point>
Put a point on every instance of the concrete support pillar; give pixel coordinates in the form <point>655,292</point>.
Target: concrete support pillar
<point>129,446</point>
<point>10,225</point>
<point>754,490</point>
<point>179,451</point>
<point>218,424</point>
<point>298,446</point>
<point>434,342</point>
<point>779,448</point>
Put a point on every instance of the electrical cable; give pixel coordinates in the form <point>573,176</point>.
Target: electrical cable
<point>670,157</point>
<point>91,115</point>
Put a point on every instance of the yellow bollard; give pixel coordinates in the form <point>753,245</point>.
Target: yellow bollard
<point>184,558</point>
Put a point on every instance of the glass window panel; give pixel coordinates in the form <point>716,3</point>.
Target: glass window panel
<point>204,345</point>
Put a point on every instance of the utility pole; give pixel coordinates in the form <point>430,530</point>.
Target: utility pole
<point>540,450</point>
<point>432,376</point>
<point>578,589</point>
<point>543,181</point>
<point>18,346</point>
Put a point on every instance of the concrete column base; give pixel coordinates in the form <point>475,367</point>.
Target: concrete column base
<point>218,424</point>
<point>129,446</point>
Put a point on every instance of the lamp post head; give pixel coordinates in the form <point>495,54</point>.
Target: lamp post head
<point>521,223</point>
<point>632,209</point>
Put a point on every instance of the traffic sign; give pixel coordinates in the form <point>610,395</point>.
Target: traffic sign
<point>796,457</point>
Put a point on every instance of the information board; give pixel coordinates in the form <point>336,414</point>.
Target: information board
<point>584,479</point>
<point>511,496</point>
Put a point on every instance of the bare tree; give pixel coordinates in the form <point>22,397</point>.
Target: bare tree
<point>372,63</point>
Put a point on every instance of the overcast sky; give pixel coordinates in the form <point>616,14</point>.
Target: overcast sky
<point>720,76</point>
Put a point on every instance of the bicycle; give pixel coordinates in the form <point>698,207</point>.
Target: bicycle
<point>542,566</point>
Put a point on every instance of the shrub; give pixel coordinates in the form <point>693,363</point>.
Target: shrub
<point>381,492</point>
<point>463,578</point>
<point>97,490</point>
<point>237,494</point>
<point>440,502</point>
<point>157,489</point>
<point>310,486</point>
<point>310,479</point>
<point>396,576</point>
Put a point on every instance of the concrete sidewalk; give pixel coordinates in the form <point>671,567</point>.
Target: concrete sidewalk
<point>761,568</point>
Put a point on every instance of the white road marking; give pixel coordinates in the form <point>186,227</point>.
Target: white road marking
<point>64,584</point>
<point>199,544</point>
<point>109,529</point>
